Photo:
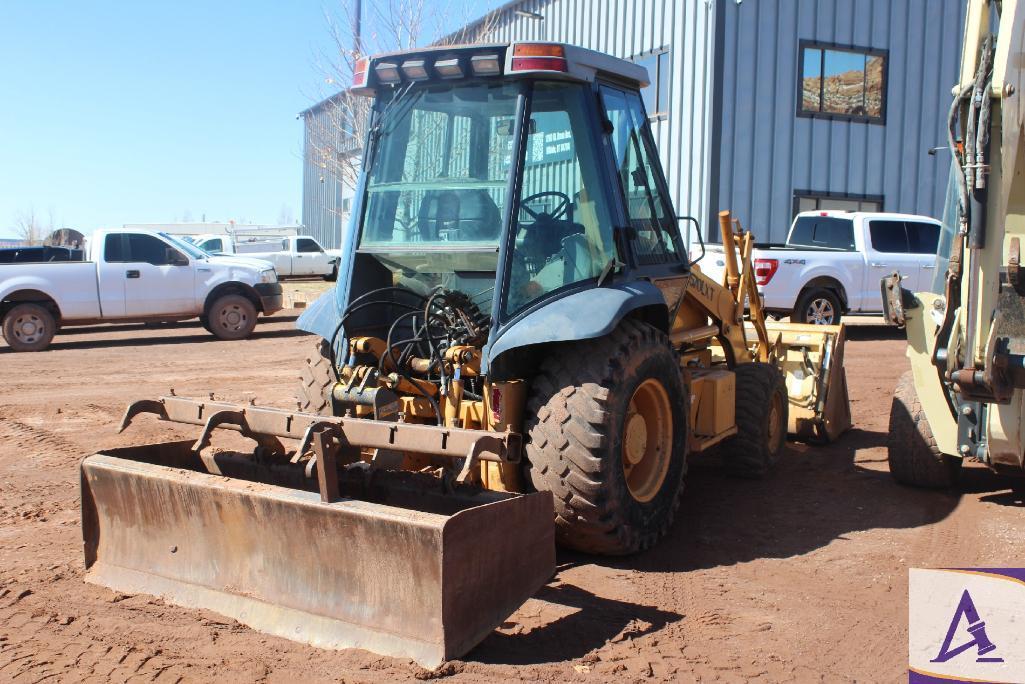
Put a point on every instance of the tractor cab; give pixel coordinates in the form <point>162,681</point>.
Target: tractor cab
<point>513,174</point>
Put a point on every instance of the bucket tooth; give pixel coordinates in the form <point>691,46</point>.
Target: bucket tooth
<point>405,571</point>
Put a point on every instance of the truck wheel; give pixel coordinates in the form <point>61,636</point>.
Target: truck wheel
<point>912,452</point>
<point>316,381</point>
<point>29,328</point>
<point>762,408</point>
<point>607,434</point>
<point>818,306</point>
<point>232,317</point>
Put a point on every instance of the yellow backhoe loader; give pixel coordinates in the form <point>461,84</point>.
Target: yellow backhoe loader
<point>517,352</point>
<point>963,397</point>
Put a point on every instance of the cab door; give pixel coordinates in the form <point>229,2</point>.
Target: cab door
<point>887,251</point>
<point>309,258</point>
<point>923,241</point>
<point>159,278</point>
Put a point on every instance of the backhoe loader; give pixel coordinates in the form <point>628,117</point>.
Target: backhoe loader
<point>963,398</point>
<point>517,352</point>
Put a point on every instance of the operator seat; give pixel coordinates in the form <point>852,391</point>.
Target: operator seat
<point>458,216</point>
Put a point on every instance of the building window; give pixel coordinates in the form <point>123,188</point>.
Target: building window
<point>656,95</point>
<point>838,82</point>
<point>814,201</point>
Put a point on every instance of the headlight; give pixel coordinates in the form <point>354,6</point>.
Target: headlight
<point>268,276</point>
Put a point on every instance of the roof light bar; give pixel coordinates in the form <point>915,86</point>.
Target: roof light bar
<point>387,72</point>
<point>359,73</point>
<point>538,50</point>
<point>449,68</point>
<point>485,65</point>
<point>539,57</point>
<point>415,69</point>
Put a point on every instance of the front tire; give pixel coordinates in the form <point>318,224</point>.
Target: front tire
<point>762,408</point>
<point>818,306</point>
<point>232,317</point>
<point>29,328</point>
<point>912,452</point>
<point>607,434</point>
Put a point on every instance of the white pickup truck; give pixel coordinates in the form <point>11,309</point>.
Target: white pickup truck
<point>135,275</point>
<point>295,255</point>
<point>832,262</point>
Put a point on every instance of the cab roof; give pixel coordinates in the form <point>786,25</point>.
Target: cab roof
<point>517,59</point>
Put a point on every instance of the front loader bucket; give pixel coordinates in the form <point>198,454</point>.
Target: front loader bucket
<point>811,358</point>
<point>391,566</point>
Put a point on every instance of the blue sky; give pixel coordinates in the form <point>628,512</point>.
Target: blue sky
<point>141,112</point>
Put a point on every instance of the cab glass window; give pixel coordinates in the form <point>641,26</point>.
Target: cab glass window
<point>828,232</point>
<point>888,237</point>
<point>148,249</point>
<point>653,226</point>
<point>113,249</point>
<point>306,245</point>
<point>923,238</point>
<point>563,229</point>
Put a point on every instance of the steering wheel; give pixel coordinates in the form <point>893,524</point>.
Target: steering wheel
<point>560,210</point>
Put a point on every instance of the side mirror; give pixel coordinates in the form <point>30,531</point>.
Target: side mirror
<point>176,258</point>
<point>697,229</point>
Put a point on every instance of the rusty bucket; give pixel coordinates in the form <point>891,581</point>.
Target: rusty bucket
<point>392,566</point>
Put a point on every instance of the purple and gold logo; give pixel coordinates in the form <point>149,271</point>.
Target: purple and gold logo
<point>966,625</point>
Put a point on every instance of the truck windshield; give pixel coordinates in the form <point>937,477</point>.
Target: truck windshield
<point>191,250</point>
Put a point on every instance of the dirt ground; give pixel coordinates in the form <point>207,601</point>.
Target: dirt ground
<point>801,577</point>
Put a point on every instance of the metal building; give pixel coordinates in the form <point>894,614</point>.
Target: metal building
<point>765,107</point>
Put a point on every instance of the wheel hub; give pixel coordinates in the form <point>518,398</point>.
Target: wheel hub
<point>232,318</point>
<point>647,440</point>
<point>28,328</point>
<point>820,312</point>
<point>636,441</point>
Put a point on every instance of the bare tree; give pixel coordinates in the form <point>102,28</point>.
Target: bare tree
<point>28,227</point>
<point>286,217</point>
<point>337,130</point>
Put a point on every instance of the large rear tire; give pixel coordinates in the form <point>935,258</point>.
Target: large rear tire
<point>912,452</point>
<point>29,327</point>
<point>316,381</point>
<point>762,408</point>
<point>606,434</point>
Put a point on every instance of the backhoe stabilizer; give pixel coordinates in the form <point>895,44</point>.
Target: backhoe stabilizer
<point>404,564</point>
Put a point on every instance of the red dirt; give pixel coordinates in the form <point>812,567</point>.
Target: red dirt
<point>802,576</point>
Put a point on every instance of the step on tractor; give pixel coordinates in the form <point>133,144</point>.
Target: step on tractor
<point>964,397</point>
<point>517,353</point>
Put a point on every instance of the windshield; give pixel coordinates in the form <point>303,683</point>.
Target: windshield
<point>436,192</point>
<point>191,250</point>
<point>441,168</point>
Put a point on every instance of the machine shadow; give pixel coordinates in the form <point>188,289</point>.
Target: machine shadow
<point>817,495</point>
<point>593,621</point>
<point>174,325</point>
<point>866,333</point>
<point>203,336</point>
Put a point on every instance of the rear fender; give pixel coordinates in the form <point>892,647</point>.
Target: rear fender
<point>580,316</point>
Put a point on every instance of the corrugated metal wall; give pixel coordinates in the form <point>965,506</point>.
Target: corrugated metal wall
<point>631,28</point>
<point>323,192</point>
<point>766,152</point>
